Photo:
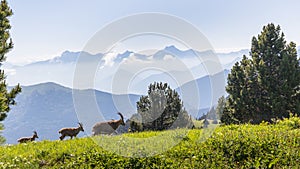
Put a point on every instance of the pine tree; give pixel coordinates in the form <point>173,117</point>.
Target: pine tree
<point>264,86</point>
<point>279,72</point>
<point>161,109</point>
<point>220,107</point>
<point>6,97</point>
<point>211,114</point>
<point>238,89</point>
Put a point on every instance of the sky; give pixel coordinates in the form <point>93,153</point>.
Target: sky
<point>44,29</point>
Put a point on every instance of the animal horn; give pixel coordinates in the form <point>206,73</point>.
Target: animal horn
<point>121,115</point>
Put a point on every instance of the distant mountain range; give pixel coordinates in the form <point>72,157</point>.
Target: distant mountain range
<point>61,69</point>
<point>48,107</point>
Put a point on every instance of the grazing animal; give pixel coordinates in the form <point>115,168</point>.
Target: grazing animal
<point>28,139</point>
<point>108,127</point>
<point>72,132</point>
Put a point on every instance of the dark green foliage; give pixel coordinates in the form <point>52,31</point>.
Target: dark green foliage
<point>161,109</point>
<point>5,40</point>
<point>216,112</point>
<point>220,107</point>
<point>2,139</point>
<point>264,86</point>
<point>211,114</point>
<point>6,97</point>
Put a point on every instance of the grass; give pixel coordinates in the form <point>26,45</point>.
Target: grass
<point>234,146</point>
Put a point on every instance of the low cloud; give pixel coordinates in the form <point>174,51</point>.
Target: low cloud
<point>10,72</point>
<point>109,58</point>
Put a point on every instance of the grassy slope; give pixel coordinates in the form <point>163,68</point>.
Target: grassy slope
<point>243,146</point>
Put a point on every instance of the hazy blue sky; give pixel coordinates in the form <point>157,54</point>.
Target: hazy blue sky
<point>44,29</point>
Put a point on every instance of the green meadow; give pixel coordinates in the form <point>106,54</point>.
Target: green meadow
<point>233,146</point>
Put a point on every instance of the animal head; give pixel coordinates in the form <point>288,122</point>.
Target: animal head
<point>35,134</point>
<point>81,127</point>
<point>122,119</point>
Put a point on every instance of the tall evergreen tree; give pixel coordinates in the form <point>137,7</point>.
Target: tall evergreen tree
<point>220,107</point>
<point>161,109</point>
<point>264,86</point>
<point>6,97</point>
<point>211,114</point>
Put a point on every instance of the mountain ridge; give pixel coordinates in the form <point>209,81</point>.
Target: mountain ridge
<point>170,48</point>
<point>73,55</point>
<point>61,69</point>
<point>48,107</point>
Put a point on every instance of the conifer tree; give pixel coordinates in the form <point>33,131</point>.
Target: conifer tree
<point>6,97</point>
<point>220,107</point>
<point>161,109</point>
<point>265,86</point>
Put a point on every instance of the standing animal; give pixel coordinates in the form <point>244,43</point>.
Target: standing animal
<point>72,132</point>
<point>28,139</point>
<point>108,127</point>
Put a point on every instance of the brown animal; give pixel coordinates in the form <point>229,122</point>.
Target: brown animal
<point>28,139</point>
<point>72,132</point>
<point>107,127</point>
